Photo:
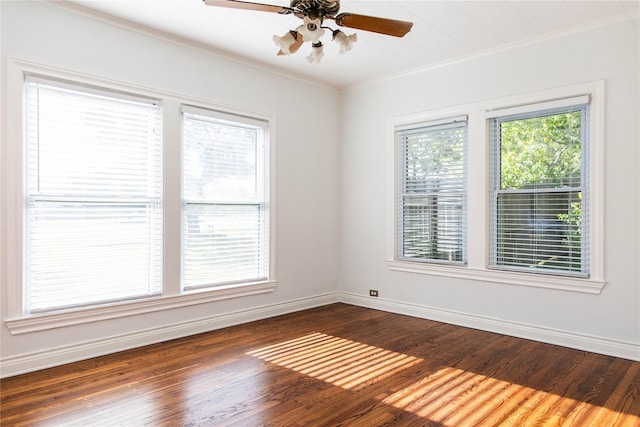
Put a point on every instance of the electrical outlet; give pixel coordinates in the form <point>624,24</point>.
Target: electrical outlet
<point>373,292</point>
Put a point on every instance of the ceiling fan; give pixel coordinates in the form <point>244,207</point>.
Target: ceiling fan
<point>313,14</point>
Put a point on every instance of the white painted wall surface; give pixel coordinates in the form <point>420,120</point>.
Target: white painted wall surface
<point>306,171</point>
<point>609,53</point>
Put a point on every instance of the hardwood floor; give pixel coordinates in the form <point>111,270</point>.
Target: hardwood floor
<point>338,365</point>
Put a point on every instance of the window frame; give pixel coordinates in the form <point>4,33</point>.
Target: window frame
<point>525,112</point>
<point>400,133</point>
<point>48,198</point>
<point>478,191</point>
<point>13,226</point>
<point>262,187</point>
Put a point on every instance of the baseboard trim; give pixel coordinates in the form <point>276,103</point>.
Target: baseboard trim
<point>625,350</point>
<point>34,361</point>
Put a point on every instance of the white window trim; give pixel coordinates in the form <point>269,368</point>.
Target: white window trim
<point>12,205</point>
<point>478,194</point>
<point>113,311</point>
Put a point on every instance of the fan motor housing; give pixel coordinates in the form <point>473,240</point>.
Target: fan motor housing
<point>315,8</point>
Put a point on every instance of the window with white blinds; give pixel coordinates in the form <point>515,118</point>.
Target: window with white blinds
<point>539,194</point>
<point>225,217</point>
<point>93,190</point>
<point>431,191</point>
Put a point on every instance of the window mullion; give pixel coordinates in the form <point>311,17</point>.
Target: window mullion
<point>477,194</point>
<point>172,197</point>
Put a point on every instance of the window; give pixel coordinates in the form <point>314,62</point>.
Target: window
<point>225,217</point>
<point>93,190</point>
<point>431,196</point>
<point>119,203</point>
<point>539,188</point>
<point>530,182</point>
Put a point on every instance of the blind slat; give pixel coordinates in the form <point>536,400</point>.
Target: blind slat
<point>548,105</point>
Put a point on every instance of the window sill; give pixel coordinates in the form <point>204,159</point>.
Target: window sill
<point>588,286</point>
<point>43,322</point>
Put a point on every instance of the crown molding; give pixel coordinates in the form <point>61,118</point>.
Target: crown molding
<point>611,20</point>
<point>183,42</point>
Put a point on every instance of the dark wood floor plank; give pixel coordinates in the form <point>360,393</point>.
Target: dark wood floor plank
<point>337,365</point>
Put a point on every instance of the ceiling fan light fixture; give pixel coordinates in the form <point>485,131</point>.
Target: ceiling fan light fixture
<point>314,13</point>
<point>345,41</point>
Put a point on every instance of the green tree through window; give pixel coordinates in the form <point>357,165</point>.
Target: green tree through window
<point>541,151</point>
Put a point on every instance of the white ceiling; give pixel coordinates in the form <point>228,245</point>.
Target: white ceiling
<point>443,31</point>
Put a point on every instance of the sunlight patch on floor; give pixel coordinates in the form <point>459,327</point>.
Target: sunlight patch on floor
<point>345,363</point>
<point>450,396</point>
<point>454,397</point>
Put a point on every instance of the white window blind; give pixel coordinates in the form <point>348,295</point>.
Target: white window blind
<point>539,188</point>
<point>93,196</point>
<point>225,217</point>
<point>431,192</point>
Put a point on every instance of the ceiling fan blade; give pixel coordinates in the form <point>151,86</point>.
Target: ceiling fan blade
<point>389,27</point>
<point>236,4</point>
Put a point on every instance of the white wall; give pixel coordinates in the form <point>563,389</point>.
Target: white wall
<point>613,317</point>
<point>306,171</point>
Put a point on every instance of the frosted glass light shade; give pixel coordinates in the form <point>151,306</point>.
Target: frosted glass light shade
<point>345,41</point>
<point>317,52</point>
